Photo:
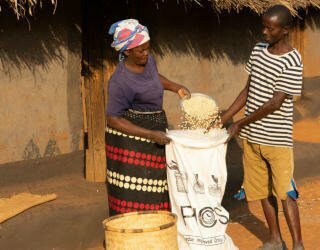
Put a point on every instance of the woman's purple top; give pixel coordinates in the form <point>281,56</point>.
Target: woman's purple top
<point>137,91</point>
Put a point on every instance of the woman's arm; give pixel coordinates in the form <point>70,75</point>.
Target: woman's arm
<point>181,90</point>
<point>128,127</point>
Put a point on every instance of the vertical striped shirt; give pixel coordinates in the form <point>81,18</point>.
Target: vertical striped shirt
<point>270,73</point>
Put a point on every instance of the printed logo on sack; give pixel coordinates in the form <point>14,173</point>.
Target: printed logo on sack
<point>208,216</point>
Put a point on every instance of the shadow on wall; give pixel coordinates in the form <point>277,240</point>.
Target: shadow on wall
<point>39,39</point>
<point>42,44</point>
<point>179,28</point>
<point>308,106</point>
<point>312,18</point>
<point>191,29</point>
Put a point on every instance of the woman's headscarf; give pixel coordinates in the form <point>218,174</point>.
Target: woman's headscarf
<point>127,34</point>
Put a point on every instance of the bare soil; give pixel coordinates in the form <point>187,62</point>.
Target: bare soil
<point>248,228</point>
<point>74,219</point>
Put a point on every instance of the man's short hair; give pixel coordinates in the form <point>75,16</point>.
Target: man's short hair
<point>282,12</point>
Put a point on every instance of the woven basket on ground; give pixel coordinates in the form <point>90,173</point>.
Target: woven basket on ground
<point>141,230</point>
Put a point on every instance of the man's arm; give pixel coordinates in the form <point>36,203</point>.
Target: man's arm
<point>270,106</point>
<point>128,127</point>
<point>237,105</point>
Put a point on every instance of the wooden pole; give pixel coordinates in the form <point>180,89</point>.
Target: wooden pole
<point>93,75</point>
<point>95,151</point>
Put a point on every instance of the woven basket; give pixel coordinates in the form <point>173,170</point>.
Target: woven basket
<point>145,230</point>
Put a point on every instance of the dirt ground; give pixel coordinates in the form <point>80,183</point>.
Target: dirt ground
<point>74,219</point>
<point>248,228</point>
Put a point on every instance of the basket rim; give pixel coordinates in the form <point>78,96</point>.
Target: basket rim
<point>140,230</point>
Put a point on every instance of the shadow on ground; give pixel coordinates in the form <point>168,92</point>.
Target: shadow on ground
<point>72,221</point>
<point>239,209</point>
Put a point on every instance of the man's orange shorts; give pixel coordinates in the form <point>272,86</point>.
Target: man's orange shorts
<point>268,170</point>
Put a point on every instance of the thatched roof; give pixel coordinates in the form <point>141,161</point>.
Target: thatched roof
<point>260,5</point>
<point>25,7</point>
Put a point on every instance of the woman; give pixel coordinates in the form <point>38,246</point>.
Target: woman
<point>136,124</point>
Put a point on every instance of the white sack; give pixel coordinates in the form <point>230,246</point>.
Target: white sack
<point>197,176</point>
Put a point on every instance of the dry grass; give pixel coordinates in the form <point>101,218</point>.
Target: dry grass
<point>258,5</point>
<point>22,8</point>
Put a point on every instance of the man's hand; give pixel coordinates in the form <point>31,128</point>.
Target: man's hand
<point>224,119</point>
<point>234,130</point>
<point>159,137</point>
<point>267,108</point>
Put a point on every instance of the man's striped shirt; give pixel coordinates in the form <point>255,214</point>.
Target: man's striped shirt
<point>270,73</point>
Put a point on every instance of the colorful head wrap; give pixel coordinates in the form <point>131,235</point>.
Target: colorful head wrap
<point>128,34</point>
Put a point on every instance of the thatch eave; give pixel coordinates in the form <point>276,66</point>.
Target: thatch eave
<point>258,6</point>
<point>22,8</point>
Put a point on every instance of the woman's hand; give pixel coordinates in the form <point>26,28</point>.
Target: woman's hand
<point>184,93</point>
<point>159,137</point>
<point>181,90</point>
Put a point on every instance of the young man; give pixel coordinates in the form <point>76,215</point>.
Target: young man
<point>275,76</point>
